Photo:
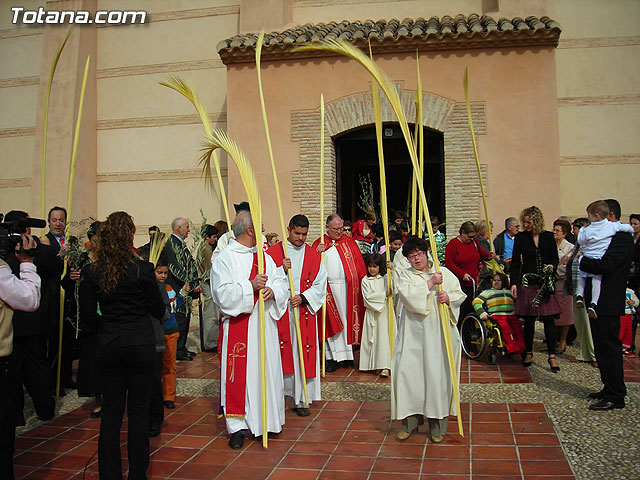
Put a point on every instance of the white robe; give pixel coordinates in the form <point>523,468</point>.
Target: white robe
<point>315,295</point>
<point>375,351</point>
<point>233,293</point>
<point>337,347</point>
<point>420,379</point>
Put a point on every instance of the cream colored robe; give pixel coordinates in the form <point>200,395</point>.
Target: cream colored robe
<point>420,378</point>
<point>375,351</point>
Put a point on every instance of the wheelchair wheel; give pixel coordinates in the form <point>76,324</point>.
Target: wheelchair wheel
<point>474,335</point>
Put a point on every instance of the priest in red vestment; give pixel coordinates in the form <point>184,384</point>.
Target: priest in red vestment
<point>345,307</point>
<point>310,289</point>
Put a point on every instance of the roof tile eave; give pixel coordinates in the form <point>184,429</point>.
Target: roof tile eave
<point>456,33</point>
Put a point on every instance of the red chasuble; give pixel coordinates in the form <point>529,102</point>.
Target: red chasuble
<point>236,360</point>
<point>354,270</point>
<point>308,321</point>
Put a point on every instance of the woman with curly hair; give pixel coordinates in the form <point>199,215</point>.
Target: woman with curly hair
<point>535,260</point>
<point>125,290</point>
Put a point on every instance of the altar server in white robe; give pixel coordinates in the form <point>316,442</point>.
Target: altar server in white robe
<point>310,284</point>
<point>420,376</point>
<point>235,286</point>
<point>375,350</point>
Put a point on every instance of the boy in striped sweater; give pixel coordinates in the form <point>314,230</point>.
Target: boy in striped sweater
<point>498,303</point>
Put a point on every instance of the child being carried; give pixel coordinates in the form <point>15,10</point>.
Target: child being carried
<point>594,239</point>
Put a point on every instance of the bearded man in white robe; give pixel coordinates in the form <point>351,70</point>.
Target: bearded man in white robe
<point>235,286</point>
<point>310,289</point>
<point>421,381</point>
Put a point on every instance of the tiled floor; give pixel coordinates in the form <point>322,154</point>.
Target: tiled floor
<point>507,370</point>
<point>631,369</point>
<point>341,440</point>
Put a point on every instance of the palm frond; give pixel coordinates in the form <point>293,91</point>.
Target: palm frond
<point>465,84</point>
<point>45,121</point>
<point>185,89</point>
<point>156,248</point>
<point>76,139</point>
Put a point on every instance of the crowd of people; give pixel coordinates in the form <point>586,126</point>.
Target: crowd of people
<point>127,313</point>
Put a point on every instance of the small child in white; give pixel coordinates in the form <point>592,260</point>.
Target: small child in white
<point>594,239</point>
<point>375,350</point>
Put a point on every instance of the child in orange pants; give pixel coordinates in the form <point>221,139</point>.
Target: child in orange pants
<point>170,340</point>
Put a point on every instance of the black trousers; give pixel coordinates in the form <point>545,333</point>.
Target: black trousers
<point>183,329</point>
<point>126,375</point>
<point>549,333</point>
<point>88,373</point>
<point>34,372</point>
<point>156,406</point>
<point>608,349</point>
<point>9,411</point>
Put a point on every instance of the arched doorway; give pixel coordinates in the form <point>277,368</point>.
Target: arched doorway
<point>354,113</point>
<point>357,161</point>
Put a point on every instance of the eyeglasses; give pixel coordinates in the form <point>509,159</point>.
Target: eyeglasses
<point>414,256</point>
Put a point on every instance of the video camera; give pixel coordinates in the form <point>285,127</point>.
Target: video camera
<point>11,235</point>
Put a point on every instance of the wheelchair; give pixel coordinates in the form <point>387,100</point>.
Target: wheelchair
<point>481,338</point>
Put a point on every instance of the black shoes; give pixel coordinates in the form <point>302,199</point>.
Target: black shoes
<point>603,405</point>
<point>190,353</point>
<point>95,414</point>
<point>154,430</point>
<point>526,355</point>
<point>47,417</point>
<point>597,395</point>
<point>552,360</point>
<point>302,412</point>
<point>184,358</point>
<point>331,366</point>
<point>169,404</point>
<point>237,440</point>
<point>591,311</point>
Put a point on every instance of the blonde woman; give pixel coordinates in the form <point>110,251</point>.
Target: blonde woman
<point>534,251</point>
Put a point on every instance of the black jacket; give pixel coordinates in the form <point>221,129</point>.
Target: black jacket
<point>525,253</point>
<point>498,244</point>
<point>126,312</point>
<point>182,266</point>
<point>614,268</point>
<point>49,267</point>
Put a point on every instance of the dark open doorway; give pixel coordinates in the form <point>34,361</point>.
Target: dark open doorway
<point>357,156</point>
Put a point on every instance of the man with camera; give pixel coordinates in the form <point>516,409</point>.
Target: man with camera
<point>31,328</point>
<point>15,293</point>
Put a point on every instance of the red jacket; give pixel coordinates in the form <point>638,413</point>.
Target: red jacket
<point>463,258</point>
